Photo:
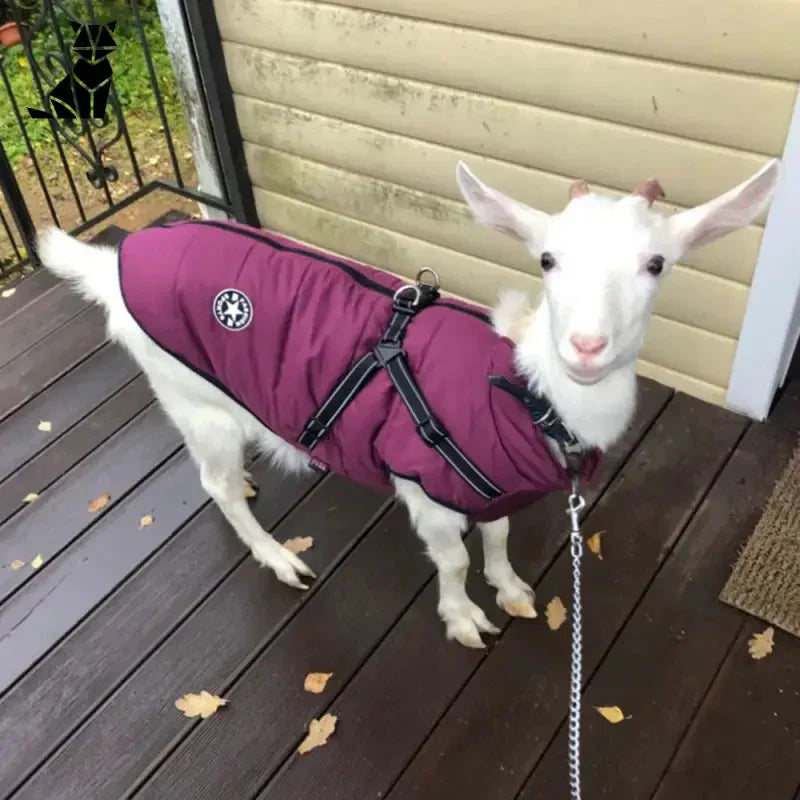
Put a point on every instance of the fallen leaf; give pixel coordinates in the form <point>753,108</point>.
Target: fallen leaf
<point>760,644</point>
<point>202,705</point>
<point>17,564</point>
<point>99,503</point>
<point>612,713</point>
<point>299,544</point>
<point>30,497</point>
<point>319,730</point>
<point>45,426</point>
<point>37,562</point>
<point>555,613</point>
<point>593,543</point>
<point>9,292</point>
<point>146,520</point>
<point>316,682</point>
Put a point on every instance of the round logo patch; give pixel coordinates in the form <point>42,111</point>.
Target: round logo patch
<point>233,309</point>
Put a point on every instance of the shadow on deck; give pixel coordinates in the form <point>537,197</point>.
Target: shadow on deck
<point>119,621</point>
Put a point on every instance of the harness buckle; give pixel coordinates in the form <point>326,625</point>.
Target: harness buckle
<point>431,431</point>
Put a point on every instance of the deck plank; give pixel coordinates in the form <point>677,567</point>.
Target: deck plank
<point>33,286</point>
<point>62,513</point>
<point>259,743</point>
<point>117,636</point>
<point>26,290</point>
<point>64,404</point>
<point>668,654</point>
<point>139,720</point>
<point>67,589</point>
<point>517,698</point>
<point>745,740</point>
<point>50,358</point>
<point>68,450</point>
<point>45,315</point>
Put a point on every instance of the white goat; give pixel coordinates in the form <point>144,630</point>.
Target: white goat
<point>602,260</point>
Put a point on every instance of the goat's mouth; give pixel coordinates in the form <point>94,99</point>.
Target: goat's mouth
<point>585,375</point>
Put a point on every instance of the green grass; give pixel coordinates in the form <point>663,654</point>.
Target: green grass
<point>131,77</point>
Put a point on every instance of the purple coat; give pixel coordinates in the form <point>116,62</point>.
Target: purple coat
<point>275,324</point>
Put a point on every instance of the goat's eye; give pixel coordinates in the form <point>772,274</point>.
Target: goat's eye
<point>548,262</point>
<point>655,265</point>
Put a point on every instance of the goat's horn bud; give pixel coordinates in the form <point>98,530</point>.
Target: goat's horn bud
<point>651,190</point>
<point>578,189</point>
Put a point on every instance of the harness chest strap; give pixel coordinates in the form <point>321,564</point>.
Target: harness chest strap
<point>389,355</point>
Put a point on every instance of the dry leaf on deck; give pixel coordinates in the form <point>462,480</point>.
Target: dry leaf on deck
<point>593,543</point>
<point>30,497</point>
<point>760,644</point>
<point>299,544</point>
<point>146,520</point>
<point>556,613</point>
<point>17,564</point>
<point>612,713</point>
<point>202,705</point>
<point>45,426</point>
<point>37,562</point>
<point>318,732</point>
<point>99,503</point>
<point>9,292</point>
<point>317,681</point>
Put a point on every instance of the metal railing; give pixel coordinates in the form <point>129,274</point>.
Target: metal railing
<point>63,42</point>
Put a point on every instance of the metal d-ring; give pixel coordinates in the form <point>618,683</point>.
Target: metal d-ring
<point>414,288</point>
<point>433,272</point>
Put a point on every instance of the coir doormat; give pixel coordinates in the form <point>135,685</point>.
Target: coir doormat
<point>765,580</point>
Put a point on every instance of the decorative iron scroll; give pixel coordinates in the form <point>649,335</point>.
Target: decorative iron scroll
<point>90,137</point>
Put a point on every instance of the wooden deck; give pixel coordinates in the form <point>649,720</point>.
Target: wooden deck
<point>96,645</point>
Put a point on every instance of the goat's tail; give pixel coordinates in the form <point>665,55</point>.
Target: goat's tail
<point>90,268</point>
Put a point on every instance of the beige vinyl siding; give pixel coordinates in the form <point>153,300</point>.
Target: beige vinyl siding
<point>354,120</point>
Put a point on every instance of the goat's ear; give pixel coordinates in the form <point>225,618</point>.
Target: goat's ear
<point>729,211</point>
<point>496,210</point>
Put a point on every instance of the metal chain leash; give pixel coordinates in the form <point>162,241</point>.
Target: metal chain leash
<point>576,504</point>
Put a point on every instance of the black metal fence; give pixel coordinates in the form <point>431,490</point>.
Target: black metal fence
<point>68,46</point>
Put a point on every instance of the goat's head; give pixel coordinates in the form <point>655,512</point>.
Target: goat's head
<point>603,259</point>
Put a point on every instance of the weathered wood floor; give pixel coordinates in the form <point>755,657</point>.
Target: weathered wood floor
<point>96,645</point>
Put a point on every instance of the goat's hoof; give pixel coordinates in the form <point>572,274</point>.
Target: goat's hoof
<point>286,565</point>
<point>250,487</point>
<point>470,639</point>
<point>520,608</point>
<point>516,599</point>
<point>466,623</point>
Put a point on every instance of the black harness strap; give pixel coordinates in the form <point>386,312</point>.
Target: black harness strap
<point>545,417</point>
<point>388,354</point>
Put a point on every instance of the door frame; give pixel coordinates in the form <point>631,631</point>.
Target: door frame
<point>771,325</point>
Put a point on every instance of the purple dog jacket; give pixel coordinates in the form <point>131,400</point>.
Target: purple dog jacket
<point>275,324</point>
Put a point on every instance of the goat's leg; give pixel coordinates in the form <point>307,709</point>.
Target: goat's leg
<point>216,443</point>
<point>514,596</point>
<point>441,530</point>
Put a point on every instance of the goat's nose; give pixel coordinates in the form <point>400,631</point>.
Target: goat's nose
<point>588,345</point>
